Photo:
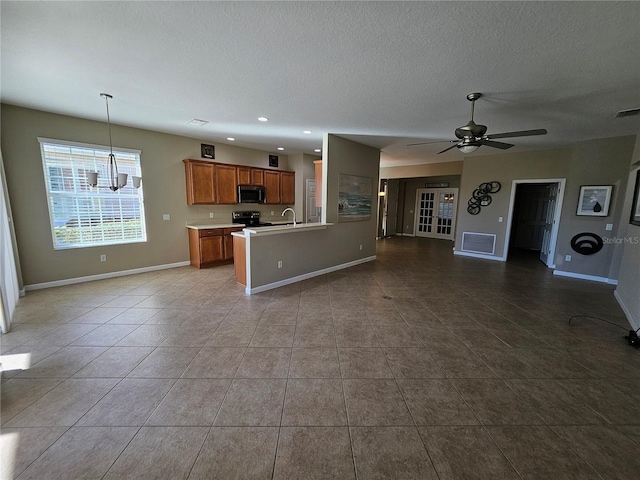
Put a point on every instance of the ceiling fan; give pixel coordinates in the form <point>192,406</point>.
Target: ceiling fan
<point>472,136</point>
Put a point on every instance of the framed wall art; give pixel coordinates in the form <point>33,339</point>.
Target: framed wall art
<point>354,198</point>
<point>207,151</point>
<point>635,206</point>
<point>594,200</point>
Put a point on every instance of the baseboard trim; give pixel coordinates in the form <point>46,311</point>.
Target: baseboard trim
<point>103,276</point>
<point>634,322</point>
<point>478,255</point>
<point>288,281</point>
<point>580,276</point>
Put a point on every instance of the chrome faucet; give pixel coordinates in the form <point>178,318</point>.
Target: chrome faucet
<point>292,211</point>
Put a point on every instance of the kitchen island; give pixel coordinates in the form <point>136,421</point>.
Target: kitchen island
<point>274,256</point>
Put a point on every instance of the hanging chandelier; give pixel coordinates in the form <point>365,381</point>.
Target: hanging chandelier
<point>116,180</point>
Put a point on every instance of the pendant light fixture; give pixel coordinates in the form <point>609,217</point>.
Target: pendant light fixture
<point>116,180</point>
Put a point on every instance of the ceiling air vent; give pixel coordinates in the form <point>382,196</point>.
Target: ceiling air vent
<point>632,112</point>
<point>199,123</point>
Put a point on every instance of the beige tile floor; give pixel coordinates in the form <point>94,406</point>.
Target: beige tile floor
<point>420,365</point>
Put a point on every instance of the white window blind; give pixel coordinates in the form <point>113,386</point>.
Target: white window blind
<point>85,216</point>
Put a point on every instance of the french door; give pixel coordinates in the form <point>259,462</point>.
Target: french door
<point>436,210</point>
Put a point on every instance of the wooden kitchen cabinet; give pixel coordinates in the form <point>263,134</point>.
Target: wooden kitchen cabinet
<point>244,176</point>
<point>272,186</point>
<point>211,246</point>
<point>199,177</point>
<point>318,169</point>
<point>257,176</point>
<point>226,191</point>
<point>287,188</point>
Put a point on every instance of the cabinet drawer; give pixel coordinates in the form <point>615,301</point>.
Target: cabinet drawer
<point>211,232</point>
<point>227,231</point>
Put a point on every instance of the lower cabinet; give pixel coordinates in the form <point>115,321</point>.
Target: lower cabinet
<point>211,246</point>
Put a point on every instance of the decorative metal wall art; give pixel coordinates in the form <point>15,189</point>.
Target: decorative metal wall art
<point>481,198</point>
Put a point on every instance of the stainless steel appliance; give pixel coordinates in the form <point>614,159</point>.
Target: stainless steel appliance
<point>251,194</point>
<point>250,219</point>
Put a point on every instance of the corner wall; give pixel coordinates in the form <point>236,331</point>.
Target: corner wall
<point>628,290</point>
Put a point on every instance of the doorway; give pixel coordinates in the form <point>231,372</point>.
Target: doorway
<point>534,217</point>
<point>388,207</point>
<point>436,210</point>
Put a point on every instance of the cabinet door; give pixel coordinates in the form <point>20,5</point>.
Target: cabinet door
<point>272,186</point>
<point>287,188</point>
<point>244,176</point>
<point>199,176</point>
<point>211,249</point>
<point>257,176</point>
<point>228,247</point>
<point>226,185</point>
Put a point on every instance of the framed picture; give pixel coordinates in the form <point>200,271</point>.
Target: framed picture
<point>354,198</point>
<point>635,206</point>
<point>273,160</point>
<point>594,200</point>
<point>207,151</point>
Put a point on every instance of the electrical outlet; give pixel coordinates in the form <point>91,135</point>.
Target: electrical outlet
<point>567,258</point>
<point>609,227</point>
<point>279,263</point>
<point>272,213</point>
<point>166,217</point>
<point>103,258</point>
<point>500,219</point>
<point>210,214</point>
<point>360,247</point>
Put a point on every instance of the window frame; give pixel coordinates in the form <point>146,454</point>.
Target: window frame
<point>82,191</point>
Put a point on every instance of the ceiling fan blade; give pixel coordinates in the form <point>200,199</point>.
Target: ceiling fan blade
<point>500,145</point>
<point>522,133</point>
<point>436,141</point>
<point>448,148</point>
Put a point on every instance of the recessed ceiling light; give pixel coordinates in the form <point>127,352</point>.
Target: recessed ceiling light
<point>199,123</point>
<point>317,150</point>
<point>231,139</point>
<point>263,119</point>
<point>280,148</point>
<point>308,132</point>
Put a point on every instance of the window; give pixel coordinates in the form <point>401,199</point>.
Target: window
<point>85,216</point>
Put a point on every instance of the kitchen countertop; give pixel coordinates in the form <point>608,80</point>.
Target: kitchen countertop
<point>278,229</point>
<point>206,226</point>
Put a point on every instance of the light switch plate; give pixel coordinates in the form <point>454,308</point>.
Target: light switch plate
<point>166,216</point>
<point>609,227</point>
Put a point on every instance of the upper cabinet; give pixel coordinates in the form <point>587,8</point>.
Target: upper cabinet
<point>226,184</point>
<point>272,186</point>
<point>199,182</point>
<point>211,183</point>
<point>287,188</point>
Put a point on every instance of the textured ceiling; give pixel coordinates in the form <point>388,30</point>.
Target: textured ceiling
<point>384,73</point>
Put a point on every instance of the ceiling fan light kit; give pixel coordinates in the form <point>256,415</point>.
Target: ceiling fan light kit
<point>472,135</point>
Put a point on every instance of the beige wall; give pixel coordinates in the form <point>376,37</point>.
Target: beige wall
<point>628,290</point>
<point>595,162</point>
<point>163,184</point>
<point>305,252</point>
<point>425,170</point>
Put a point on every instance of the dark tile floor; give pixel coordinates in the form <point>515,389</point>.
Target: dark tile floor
<point>420,365</point>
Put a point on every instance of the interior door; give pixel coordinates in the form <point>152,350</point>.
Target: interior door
<point>313,212</point>
<point>550,218</point>
<point>436,210</point>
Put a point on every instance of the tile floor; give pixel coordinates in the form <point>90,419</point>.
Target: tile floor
<point>419,365</point>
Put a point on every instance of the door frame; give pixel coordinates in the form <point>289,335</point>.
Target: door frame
<point>554,231</point>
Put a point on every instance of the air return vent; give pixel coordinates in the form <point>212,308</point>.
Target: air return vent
<point>478,243</point>
<point>632,112</point>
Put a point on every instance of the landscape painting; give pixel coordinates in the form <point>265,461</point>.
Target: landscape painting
<point>354,198</point>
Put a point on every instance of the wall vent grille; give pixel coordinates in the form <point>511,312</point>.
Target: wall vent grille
<point>479,243</point>
<point>632,112</point>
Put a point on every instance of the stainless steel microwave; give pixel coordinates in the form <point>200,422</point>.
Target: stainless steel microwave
<point>251,194</point>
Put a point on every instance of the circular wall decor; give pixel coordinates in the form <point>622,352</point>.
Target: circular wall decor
<point>485,200</point>
<point>473,209</point>
<point>586,243</point>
